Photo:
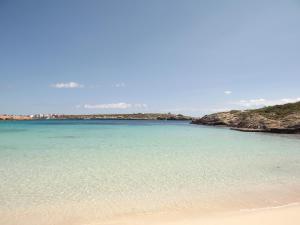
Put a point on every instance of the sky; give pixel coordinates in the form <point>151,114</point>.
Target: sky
<point>182,56</point>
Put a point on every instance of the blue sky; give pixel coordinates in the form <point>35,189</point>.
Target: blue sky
<point>191,57</point>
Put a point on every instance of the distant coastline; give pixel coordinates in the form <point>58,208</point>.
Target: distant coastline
<point>273,119</point>
<point>131,116</point>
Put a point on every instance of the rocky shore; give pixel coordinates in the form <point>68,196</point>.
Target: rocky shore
<point>273,119</point>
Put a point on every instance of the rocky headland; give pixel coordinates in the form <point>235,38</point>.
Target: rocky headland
<point>275,119</point>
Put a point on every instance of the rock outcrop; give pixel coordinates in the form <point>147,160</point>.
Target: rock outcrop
<point>275,119</point>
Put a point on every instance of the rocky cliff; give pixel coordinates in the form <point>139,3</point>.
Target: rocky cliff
<point>275,119</point>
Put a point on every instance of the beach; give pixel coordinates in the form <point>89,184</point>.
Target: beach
<point>285,215</point>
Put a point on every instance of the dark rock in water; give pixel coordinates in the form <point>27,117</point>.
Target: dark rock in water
<point>274,119</point>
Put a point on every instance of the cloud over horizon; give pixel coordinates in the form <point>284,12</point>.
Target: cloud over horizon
<point>71,84</point>
<point>120,105</point>
<point>260,102</point>
<point>120,85</point>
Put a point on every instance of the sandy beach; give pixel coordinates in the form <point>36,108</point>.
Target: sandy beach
<point>285,215</point>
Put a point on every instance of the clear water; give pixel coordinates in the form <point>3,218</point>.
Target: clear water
<point>76,172</point>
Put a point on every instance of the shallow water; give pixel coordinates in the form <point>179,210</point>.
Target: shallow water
<point>80,171</point>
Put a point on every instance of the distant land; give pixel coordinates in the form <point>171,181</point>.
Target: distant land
<point>275,119</point>
<point>133,116</point>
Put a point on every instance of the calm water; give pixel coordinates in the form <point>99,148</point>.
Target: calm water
<point>53,172</point>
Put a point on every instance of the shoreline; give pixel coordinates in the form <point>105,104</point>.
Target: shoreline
<point>288,214</point>
<point>229,213</point>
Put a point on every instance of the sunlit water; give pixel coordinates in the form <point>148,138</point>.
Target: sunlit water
<point>77,172</point>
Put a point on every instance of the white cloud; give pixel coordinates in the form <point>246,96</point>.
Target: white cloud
<point>94,86</point>
<point>67,85</point>
<point>120,105</point>
<point>195,111</point>
<point>227,92</point>
<point>120,85</point>
<point>264,102</point>
<point>214,110</point>
<point>140,106</point>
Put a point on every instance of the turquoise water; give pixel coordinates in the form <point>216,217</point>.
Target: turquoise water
<point>75,172</point>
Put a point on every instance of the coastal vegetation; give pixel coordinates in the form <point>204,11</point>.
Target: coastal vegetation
<point>278,111</point>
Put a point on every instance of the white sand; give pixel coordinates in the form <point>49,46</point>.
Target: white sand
<point>288,215</point>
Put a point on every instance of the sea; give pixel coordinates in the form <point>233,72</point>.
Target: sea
<point>56,172</point>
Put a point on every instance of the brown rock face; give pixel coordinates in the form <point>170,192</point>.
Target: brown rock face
<point>223,118</point>
<point>275,119</point>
